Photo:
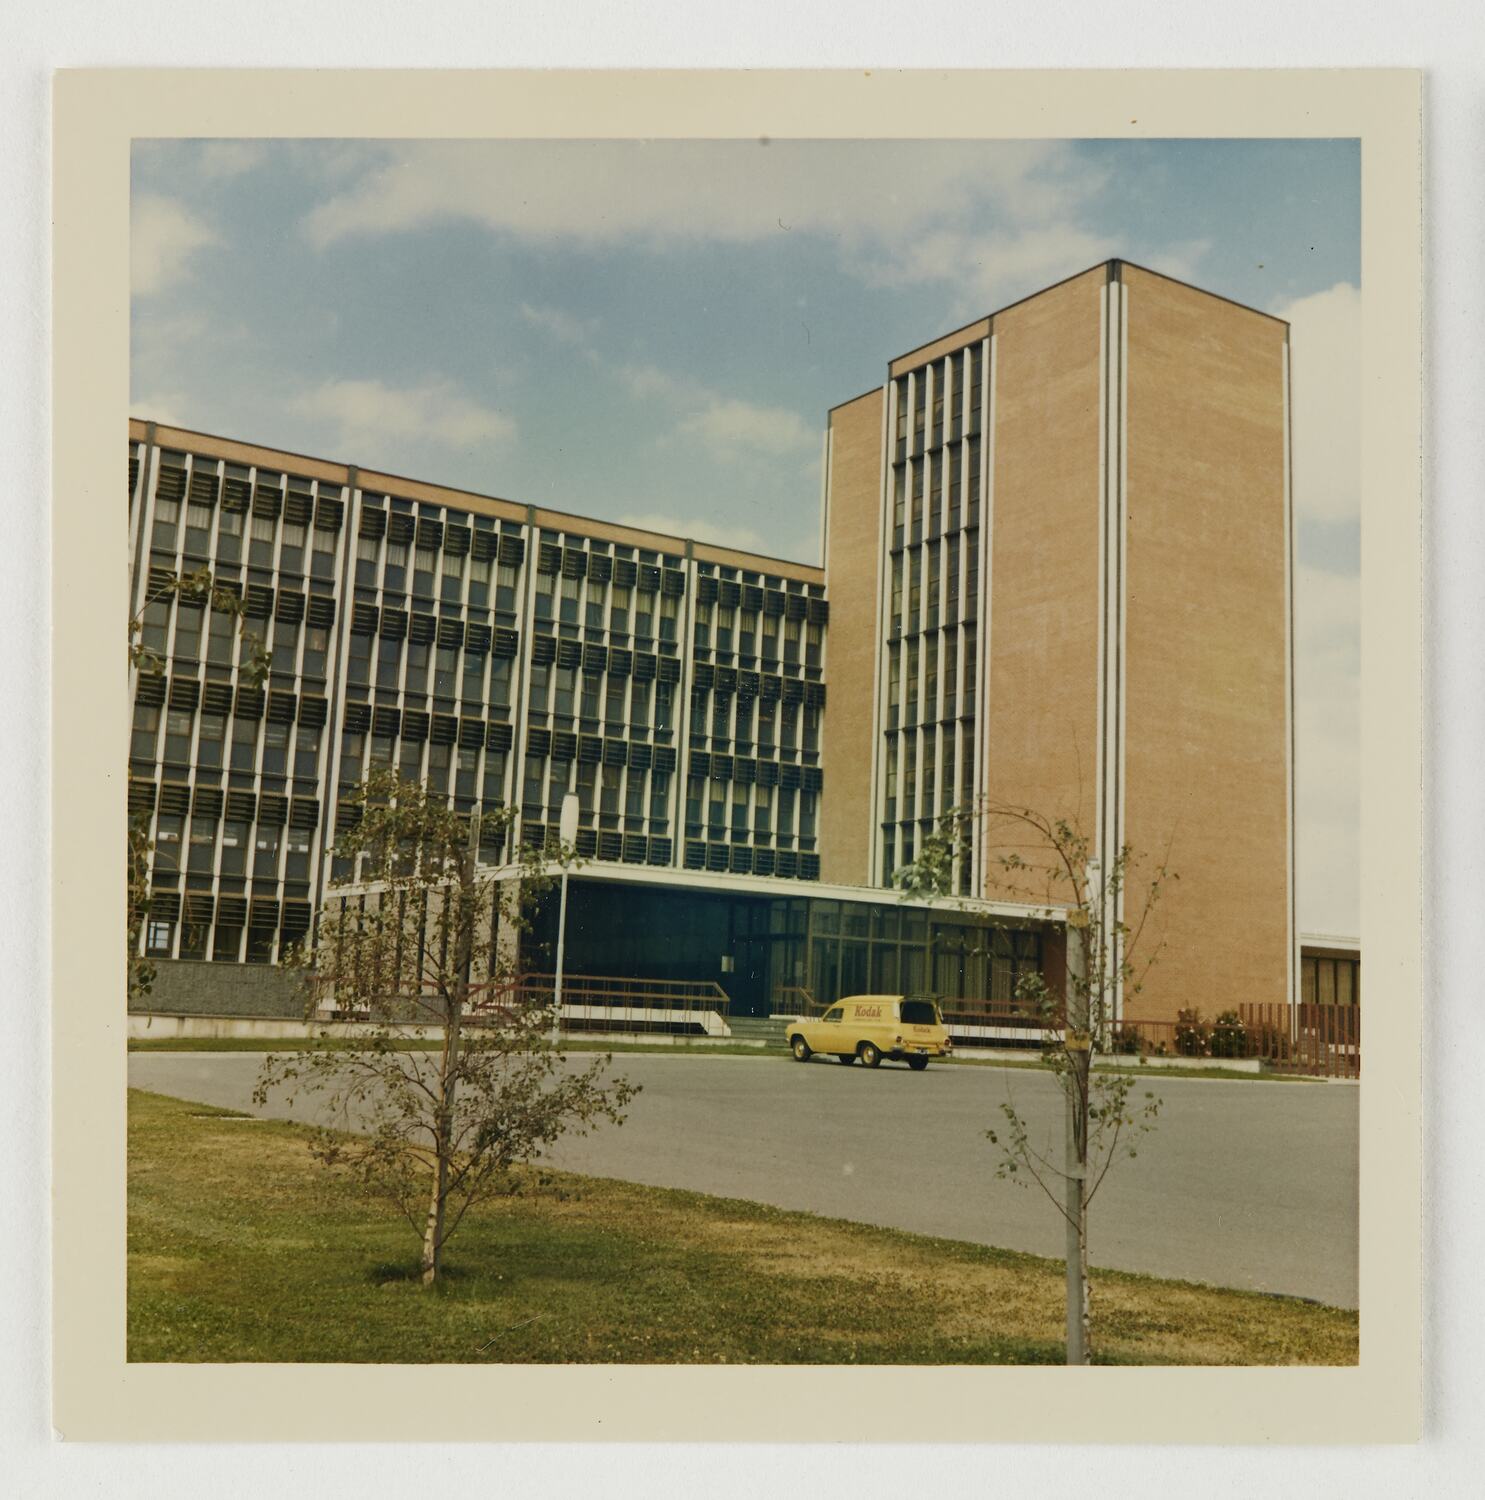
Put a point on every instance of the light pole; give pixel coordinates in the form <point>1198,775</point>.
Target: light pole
<point>567,832</point>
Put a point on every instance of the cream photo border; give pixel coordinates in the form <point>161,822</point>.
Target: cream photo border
<point>97,1393</point>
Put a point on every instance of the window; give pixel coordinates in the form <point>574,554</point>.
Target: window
<point>226,944</point>
<point>234,848</point>
<point>417,668</point>
<point>664,703</point>
<point>275,749</point>
<point>229,536</point>
<point>479,581</point>
<point>244,744</point>
<point>221,629</point>
<point>260,542</point>
<point>265,860</point>
<point>352,749</point>
<point>500,681</point>
<point>466,776</point>
<point>614,705</point>
<point>381,751</point>
<point>544,585</point>
<point>445,667</point>
<point>187,632</point>
<point>358,661</point>
<point>505,587</point>
<point>203,845</point>
<point>158,938</point>
<point>322,554</point>
<point>639,703</point>
<point>659,796</point>
<point>167,843</point>
<point>814,637</point>
<point>587,781</point>
<point>368,552</point>
<point>291,554</point>
<point>762,808</point>
<point>389,662</point>
<point>209,741</point>
<point>703,626</point>
<point>438,767</point>
<point>307,752</point>
<point>618,609</point>
<point>474,677</point>
<point>610,790</point>
<point>146,731</point>
<point>167,522</point>
<point>198,529</point>
<point>538,695</point>
<point>423,561</point>
<point>569,602</point>
<point>739,810</point>
<point>494,783</point>
<point>410,763</point>
<point>591,688</point>
<point>316,648</point>
<point>296,862</point>
<point>669,609</point>
<point>178,738</point>
<point>451,586</point>
<point>394,570</point>
<point>566,688</point>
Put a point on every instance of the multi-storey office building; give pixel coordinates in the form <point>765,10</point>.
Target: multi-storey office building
<point>1057,544</point>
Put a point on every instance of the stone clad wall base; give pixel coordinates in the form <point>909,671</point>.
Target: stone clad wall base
<point>187,987</point>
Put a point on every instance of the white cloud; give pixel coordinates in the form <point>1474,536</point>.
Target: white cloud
<point>365,414</point>
<point>601,191</point>
<point>1325,360</point>
<point>1327,608</point>
<point>163,236</point>
<point>561,325</point>
<point>727,427</point>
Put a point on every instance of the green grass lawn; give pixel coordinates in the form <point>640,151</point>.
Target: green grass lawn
<point>242,1248</point>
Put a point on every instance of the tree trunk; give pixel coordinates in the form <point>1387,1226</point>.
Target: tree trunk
<point>1075,1167</point>
<point>448,1076</point>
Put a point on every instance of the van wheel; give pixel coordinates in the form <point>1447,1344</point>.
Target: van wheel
<point>917,1064</point>
<point>870,1056</point>
<point>800,1048</point>
<point>846,1057</point>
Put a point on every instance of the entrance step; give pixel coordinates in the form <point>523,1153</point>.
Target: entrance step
<point>766,1029</point>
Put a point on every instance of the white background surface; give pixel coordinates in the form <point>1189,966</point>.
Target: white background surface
<point>1447,39</point>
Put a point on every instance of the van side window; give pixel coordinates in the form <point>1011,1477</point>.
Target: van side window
<point>832,1015</point>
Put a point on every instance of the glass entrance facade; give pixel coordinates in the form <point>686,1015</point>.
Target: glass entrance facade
<point>765,950</point>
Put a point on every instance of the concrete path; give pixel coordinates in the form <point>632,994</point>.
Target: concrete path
<point>1245,1184</point>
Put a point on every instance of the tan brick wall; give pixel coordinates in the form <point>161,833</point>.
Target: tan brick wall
<point>950,343</point>
<point>1207,645</point>
<point>852,547</point>
<point>1042,713</point>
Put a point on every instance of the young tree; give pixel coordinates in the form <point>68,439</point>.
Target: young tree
<point>414,945</point>
<point>1047,863</point>
<point>197,588</point>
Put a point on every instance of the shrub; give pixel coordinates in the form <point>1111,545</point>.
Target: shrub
<point>1191,1034</point>
<point>1229,1037</point>
<point>1127,1040</point>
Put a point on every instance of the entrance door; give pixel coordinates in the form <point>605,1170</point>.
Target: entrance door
<point>747,984</point>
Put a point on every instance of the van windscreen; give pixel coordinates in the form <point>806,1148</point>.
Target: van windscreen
<point>919,1013</point>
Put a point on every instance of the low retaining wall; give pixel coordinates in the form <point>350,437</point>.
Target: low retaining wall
<point>186,987</point>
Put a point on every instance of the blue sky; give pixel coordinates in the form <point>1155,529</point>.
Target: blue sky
<point>653,332</point>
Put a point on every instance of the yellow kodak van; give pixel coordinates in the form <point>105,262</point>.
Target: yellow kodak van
<point>871,1027</point>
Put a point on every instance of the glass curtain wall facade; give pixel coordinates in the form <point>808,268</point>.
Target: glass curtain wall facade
<point>932,605</point>
<point>765,952</point>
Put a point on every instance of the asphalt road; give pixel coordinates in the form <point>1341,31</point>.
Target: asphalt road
<point>1245,1184</point>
